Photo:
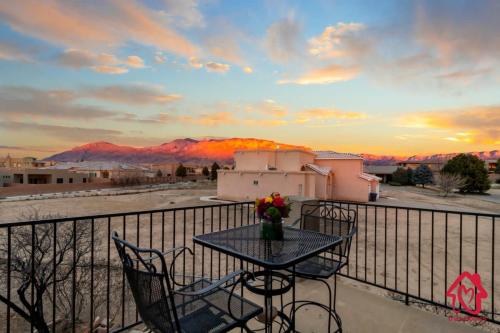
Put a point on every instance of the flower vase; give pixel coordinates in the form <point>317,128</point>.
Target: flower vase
<point>270,230</point>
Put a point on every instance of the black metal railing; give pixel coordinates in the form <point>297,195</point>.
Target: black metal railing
<point>417,253</point>
<point>60,275</point>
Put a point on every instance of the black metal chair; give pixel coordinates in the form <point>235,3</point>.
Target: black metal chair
<point>332,219</point>
<point>200,306</point>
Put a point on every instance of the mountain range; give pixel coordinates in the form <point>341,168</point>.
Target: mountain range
<point>209,150</point>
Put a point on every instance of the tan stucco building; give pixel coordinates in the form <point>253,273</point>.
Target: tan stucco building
<point>40,176</point>
<point>321,175</point>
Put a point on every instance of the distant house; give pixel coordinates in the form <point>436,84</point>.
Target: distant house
<point>40,176</point>
<point>104,170</point>
<point>321,175</point>
<point>434,164</point>
<point>491,165</point>
<point>24,162</point>
<point>384,172</point>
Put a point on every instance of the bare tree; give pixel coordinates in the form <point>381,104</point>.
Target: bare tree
<point>448,182</point>
<point>42,255</point>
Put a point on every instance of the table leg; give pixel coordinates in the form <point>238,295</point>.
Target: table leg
<point>268,280</point>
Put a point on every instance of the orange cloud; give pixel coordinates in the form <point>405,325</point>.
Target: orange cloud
<point>479,124</point>
<point>78,24</point>
<point>325,114</point>
<point>195,63</point>
<point>209,119</point>
<point>110,69</point>
<point>325,75</point>
<point>101,63</point>
<point>134,61</point>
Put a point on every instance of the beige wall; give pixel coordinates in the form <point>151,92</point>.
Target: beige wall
<point>343,183</point>
<point>232,184</point>
<point>253,160</point>
<point>286,160</point>
<point>347,185</point>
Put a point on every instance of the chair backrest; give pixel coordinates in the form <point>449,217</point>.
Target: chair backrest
<point>331,219</point>
<point>150,286</point>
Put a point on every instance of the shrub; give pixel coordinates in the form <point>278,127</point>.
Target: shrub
<point>448,182</point>
<point>472,169</point>
<point>394,183</point>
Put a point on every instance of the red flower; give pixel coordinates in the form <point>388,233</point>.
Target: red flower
<point>278,202</point>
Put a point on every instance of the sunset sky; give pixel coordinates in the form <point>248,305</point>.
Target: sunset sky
<point>380,77</point>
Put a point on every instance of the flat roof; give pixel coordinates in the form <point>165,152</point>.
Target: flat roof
<point>274,151</point>
<point>380,169</point>
<point>333,155</point>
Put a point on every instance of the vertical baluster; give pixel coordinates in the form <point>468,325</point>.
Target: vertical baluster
<point>9,254</point>
<point>445,257</point>
<point>432,256</point>
<point>73,292</point>
<point>108,282</point>
<point>92,227</point>
<point>385,247</point>
<point>396,250</point>
<point>407,253</point>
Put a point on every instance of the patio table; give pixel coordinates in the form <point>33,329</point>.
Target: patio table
<point>244,243</point>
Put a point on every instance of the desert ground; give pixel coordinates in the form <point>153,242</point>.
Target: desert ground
<point>405,196</point>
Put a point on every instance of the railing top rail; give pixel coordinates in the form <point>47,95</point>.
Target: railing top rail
<point>423,209</point>
<point>105,216</point>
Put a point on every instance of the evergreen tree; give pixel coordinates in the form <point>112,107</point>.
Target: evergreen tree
<point>400,176</point>
<point>423,175</point>
<point>159,174</point>
<point>213,172</point>
<point>181,171</point>
<point>472,169</point>
<point>205,172</point>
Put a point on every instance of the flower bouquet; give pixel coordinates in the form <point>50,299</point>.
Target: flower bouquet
<point>271,211</point>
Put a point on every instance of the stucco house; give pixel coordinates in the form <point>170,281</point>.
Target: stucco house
<point>321,175</point>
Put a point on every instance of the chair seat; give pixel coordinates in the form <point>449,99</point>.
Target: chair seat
<point>318,267</point>
<point>210,313</point>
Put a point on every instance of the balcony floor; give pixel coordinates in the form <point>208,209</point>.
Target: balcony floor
<point>366,311</point>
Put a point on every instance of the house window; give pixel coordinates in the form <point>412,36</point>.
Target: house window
<point>256,182</point>
<point>84,180</point>
<point>60,180</point>
<point>300,189</point>
<point>71,180</point>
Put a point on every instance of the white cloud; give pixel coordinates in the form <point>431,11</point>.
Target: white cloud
<point>217,67</point>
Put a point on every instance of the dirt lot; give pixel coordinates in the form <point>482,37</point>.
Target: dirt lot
<point>411,196</point>
<point>94,205</point>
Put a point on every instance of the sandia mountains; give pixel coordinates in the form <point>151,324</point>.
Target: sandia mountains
<point>208,150</point>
